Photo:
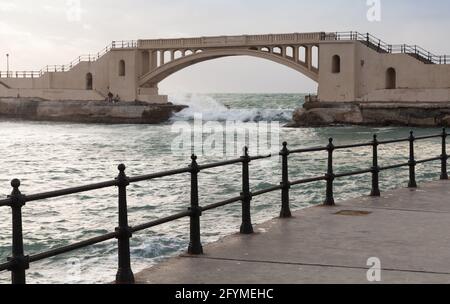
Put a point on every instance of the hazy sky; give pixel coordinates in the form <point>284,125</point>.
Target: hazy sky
<point>37,33</point>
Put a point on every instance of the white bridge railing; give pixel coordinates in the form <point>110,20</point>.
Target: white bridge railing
<point>224,41</point>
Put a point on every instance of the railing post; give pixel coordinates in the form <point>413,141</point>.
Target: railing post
<point>285,184</point>
<point>195,245</point>
<point>444,156</point>
<point>246,227</point>
<point>375,169</point>
<point>19,260</point>
<point>329,201</point>
<point>412,162</point>
<point>124,272</point>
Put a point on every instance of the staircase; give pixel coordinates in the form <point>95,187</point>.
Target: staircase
<point>380,46</point>
<point>5,85</point>
<point>67,67</point>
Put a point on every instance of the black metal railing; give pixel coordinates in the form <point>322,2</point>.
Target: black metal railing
<point>67,67</point>
<point>18,263</point>
<point>383,47</point>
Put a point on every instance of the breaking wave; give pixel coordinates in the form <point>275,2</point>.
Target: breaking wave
<point>236,109</point>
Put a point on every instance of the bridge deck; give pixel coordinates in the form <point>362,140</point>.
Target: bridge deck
<point>408,230</point>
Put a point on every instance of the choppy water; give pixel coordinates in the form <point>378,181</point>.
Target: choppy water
<point>49,156</point>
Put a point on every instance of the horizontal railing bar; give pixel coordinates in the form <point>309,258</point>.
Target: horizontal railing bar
<point>221,164</point>
<point>394,166</point>
<point>385,142</point>
<point>58,193</point>
<point>428,137</point>
<point>268,190</point>
<point>76,246</point>
<point>308,180</point>
<point>428,160</point>
<point>160,221</point>
<point>261,157</point>
<point>306,150</point>
<point>354,146</point>
<point>6,266</point>
<point>359,172</point>
<point>5,202</point>
<point>223,203</point>
<point>158,175</point>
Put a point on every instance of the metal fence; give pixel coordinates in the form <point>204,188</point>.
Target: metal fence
<point>381,46</point>
<point>124,44</point>
<point>18,263</point>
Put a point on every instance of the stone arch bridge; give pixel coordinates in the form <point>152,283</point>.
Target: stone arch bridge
<point>348,67</point>
<point>165,57</point>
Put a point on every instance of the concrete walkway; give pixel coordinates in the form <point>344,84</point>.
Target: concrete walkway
<point>408,230</point>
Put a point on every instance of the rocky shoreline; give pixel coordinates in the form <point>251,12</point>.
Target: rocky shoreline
<point>87,111</point>
<point>418,114</point>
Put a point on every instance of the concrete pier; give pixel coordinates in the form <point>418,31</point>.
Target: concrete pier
<point>407,230</point>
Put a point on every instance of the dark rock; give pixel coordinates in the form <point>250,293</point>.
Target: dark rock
<point>87,112</point>
<point>378,114</point>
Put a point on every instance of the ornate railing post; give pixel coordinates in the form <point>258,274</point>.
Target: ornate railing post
<point>195,245</point>
<point>246,227</point>
<point>20,262</point>
<point>375,169</point>
<point>329,201</point>
<point>444,156</point>
<point>124,272</point>
<point>412,162</point>
<point>285,184</point>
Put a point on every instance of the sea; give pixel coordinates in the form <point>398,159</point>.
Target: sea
<point>49,156</point>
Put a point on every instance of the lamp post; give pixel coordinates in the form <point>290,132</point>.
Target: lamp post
<point>7,65</point>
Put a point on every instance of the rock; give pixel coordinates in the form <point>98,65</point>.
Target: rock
<point>326,116</point>
<point>298,115</point>
<point>446,121</point>
<point>374,114</point>
<point>314,117</point>
<point>87,111</point>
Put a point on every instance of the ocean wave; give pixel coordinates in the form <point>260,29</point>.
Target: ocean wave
<point>211,109</point>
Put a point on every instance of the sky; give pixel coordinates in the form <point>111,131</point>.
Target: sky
<point>38,33</point>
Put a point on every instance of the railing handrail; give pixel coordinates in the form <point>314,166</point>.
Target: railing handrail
<point>374,41</point>
<point>368,38</point>
<point>18,263</point>
<point>123,44</point>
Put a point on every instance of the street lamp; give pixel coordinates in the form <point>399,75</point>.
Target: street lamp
<point>7,65</point>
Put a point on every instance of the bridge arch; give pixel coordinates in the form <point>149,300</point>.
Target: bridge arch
<point>152,78</point>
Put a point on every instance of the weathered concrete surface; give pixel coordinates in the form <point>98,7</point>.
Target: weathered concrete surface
<point>87,111</point>
<point>373,113</point>
<point>408,230</point>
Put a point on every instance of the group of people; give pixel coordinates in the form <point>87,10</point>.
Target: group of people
<point>111,99</point>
